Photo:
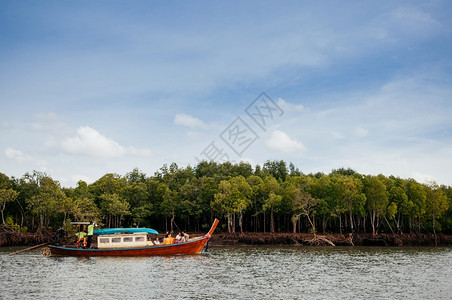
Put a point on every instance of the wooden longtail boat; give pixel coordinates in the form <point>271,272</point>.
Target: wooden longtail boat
<point>190,247</point>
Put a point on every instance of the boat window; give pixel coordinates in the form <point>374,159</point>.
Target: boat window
<point>116,240</point>
<point>104,240</point>
<point>139,239</point>
<point>127,239</point>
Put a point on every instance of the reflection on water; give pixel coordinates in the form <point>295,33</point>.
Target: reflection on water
<point>235,273</point>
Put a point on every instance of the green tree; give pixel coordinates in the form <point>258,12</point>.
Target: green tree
<point>207,190</point>
<point>416,202</point>
<point>136,176</point>
<point>170,203</point>
<point>325,189</point>
<point>257,198</point>
<point>108,192</point>
<point>351,197</point>
<point>446,219</point>
<point>223,203</point>
<point>7,194</point>
<point>377,199</point>
<point>137,195</point>
<point>113,208</point>
<point>301,201</point>
<point>242,192</point>
<point>273,199</point>
<point>399,205</point>
<point>277,169</point>
<point>232,198</point>
<point>48,201</point>
<point>189,193</point>
<point>436,203</point>
<point>85,208</point>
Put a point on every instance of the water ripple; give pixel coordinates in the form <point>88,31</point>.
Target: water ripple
<point>235,273</point>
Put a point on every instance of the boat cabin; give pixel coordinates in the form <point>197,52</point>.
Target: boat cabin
<point>112,241</point>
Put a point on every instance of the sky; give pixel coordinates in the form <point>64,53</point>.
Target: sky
<point>95,87</point>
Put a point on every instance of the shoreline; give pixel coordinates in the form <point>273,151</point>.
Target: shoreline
<point>9,238</point>
<point>329,239</point>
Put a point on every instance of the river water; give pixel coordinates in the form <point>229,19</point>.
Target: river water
<point>234,273</point>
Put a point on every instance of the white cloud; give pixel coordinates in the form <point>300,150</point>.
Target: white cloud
<point>22,157</point>
<point>289,107</point>
<point>49,123</point>
<point>89,142</point>
<point>17,155</point>
<point>280,141</point>
<point>189,121</point>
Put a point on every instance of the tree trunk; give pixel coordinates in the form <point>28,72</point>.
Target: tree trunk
<point>351,221</point>
<point>41,221</point>
<point>313,225</point>
<point>433,223</point>
<point>372,222</point>
<point>172,221</point>
<point>21,215</point>
<point>240,222</point>
<point>3,208</point>
<point>233,223</point>
<point>390,227</point>
<point>295,220</point>
<point>272,221</point>
<point>311,222</point>
<point>255,220</point>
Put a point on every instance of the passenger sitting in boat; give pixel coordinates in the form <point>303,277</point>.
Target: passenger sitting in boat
<point>168,239</point>
<point>177,240</point>
<point>157,242</point>
<point>185,237</point>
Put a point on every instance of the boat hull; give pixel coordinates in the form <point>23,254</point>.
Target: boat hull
<point>190,247</point>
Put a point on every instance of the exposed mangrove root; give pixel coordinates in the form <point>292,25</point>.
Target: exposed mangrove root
<point>295,242</point>
<point>320,241</point>
<point>350,239</point>
<point>13,238</point>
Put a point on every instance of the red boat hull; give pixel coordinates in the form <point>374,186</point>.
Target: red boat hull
<point>190,247</point>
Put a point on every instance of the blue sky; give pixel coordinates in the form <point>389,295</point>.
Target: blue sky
<point>91,87</point>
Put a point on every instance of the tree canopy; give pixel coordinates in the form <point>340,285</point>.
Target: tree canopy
<point>267,198</point>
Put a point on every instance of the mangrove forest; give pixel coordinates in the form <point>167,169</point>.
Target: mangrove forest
<point>274,197</point>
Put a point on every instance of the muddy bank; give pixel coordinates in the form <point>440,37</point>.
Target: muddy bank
<point>306,239</point>
<point>12,238</point>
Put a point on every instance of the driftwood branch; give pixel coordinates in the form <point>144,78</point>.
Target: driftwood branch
<point>31,248</point>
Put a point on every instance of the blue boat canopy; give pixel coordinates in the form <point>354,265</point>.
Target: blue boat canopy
<point>124,230</point>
